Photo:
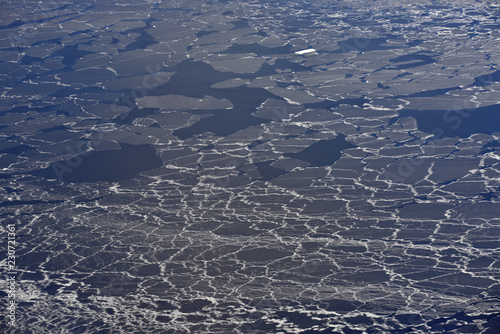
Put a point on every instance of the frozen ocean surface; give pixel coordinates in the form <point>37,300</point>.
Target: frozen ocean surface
<point>182,167</point>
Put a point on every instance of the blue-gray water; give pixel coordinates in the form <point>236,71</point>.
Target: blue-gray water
<point>175,167</point>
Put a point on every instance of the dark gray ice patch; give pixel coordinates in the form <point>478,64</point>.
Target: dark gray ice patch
<point>262,254</point>
<point>108,165</point>
<point>456,123</point>
<point>258,49</point>
<point>37,202</point>
<point>57,136</point>
<point>143,40</point>
<point>12,25</point>
<point>18,149</point>
<point>28,60</point>
<point>202,33</point>
<point>194,305</point>
<point>223,123</point>
<point>324,152</point>
<point>430,93</point>
<point>372,276</point>
<point>362,44</point>
<point>340,305</point>
<point>268,172</point>
<point>487,79</point>
<point>424,211</point>
<point>70,54</point>
<point>412,60</point>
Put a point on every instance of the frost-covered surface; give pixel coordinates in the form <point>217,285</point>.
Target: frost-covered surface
<point>176,167</point>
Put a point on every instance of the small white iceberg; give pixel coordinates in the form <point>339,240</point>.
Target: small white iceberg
<point>304,52</point>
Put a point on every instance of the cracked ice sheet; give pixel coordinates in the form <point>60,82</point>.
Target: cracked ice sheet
<point>397,233</point>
